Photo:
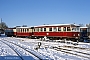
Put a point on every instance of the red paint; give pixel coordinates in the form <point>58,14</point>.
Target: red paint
<point>24,34</point>
<point>15,33</point>
<point>57,34</point>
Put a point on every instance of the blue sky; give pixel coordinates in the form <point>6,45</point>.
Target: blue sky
<point>38,12</point>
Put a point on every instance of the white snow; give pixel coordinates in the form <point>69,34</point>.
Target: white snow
<point>6,51</point>
<point>48,50</point>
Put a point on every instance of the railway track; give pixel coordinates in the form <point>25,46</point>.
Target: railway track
<point>13,50</point>
<point>65,50</point>
<point>88,49</point>
<point>18,53</point>
<point>72,51</point>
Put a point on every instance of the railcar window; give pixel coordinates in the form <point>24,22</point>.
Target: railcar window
<point>37,29</point>
<point>50,29</point>
<point>24,30</point>
<point>59,29</point>
<point>78,29</point>
<point>27,30</point>
<point>73,29</point>
<point>21,30</point>
<point>64,29</point>
<point>41,29</point>
<point>68,29</point>
<point>44,29</point>
<point>34,30</point>
<point>54,29</point>
<point>82,30</point>
<point>18,30</point>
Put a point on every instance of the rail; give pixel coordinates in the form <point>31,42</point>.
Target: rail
<point>22,48</point>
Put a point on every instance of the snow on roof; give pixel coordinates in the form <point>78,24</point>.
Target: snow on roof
<point>56,25</point>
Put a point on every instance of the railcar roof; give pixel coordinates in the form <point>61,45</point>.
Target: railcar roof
<point>23,27</point>
<point>11,28</point>
<point>84,27</point>
<point>56,25</point>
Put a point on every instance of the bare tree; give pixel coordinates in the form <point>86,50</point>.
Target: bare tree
<point>3,25</point>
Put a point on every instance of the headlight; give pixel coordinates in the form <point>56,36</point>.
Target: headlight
<point>78,34</point>
<point>73,34</point>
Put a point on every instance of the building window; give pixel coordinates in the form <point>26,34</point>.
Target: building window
<point>59,29</point>
<point>54,29</point>
<point>50,29</point>
<point>68,29</point>
<point>44,29</point>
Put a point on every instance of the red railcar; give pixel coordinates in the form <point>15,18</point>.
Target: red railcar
<point>54,31</point>
<point>24,31</point>
<point>50,31</point>
<point>19,31</point>
<point>57,31</point>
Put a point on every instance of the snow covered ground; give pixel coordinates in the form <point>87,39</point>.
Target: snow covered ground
<point>48,50</point>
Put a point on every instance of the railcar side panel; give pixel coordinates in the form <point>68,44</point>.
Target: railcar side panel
<point>23,34</point>
<point>57,34</point>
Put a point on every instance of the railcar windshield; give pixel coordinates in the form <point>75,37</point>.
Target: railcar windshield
<point>77,29</point>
